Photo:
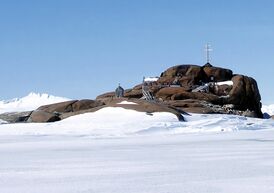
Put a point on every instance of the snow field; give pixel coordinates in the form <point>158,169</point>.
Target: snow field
<point>118,150</point>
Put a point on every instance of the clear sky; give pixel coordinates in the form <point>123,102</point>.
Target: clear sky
<point>82,48</point>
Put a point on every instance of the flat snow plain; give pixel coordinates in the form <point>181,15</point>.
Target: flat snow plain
<point>117,150</point>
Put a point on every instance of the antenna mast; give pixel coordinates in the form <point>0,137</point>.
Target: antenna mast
<point>208,49</point>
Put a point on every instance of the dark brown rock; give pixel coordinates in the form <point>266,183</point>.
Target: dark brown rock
<point>105,95</point>
<point>15,117</point>
<point>58,111</point>
<point>39,116</point>
<point>272,117</point>
<point>69,114</point>
<point>188,75</point>
<point>133,93</point>
<point>146,106</point>
<point>167,92</point>
<point>198,96</point>
<point>223,90</point>
<point>245,94</point>
<point>196,106</point>
<point>62,107</point>
<point>193,82</point>
<point>191,106</point>
<point>219,74</point>
<point>86,104</point>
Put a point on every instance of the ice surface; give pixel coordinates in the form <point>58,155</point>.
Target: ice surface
<point>225,162</point>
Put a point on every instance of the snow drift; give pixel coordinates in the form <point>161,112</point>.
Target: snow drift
<point>117,122</point>
<point>120,122</point>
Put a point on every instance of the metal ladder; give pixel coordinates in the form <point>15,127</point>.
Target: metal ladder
<point>146,94</point>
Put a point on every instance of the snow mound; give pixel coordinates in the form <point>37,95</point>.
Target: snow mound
<point>151,79</point>
<point>127,103</point>
<point>120,122</point>
<point>229,82</point>
<point>29,102</point>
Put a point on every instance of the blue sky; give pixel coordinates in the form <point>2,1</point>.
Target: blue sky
<point>82,48</point>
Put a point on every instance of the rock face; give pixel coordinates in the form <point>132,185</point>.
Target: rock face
<point>15,117</point>
<point>245,93</point>
<point>202,89</point>
<point>145,106</point>
<point>58,111</point>
<point>53,112</point>
<point>180,89</point>
<point>39,116</point>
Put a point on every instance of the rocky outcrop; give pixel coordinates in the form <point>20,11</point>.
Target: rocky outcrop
<point>194,88</point>
<point>59,111</point>
<point>219,74</point>
<point>40,116</point>
<point>53,112</point>
<point>245,93</point>
<point>180,89</point>
<point>145,106</point>
<point>15,117</point>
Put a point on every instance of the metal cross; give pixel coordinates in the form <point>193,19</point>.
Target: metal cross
<point>208,49</point>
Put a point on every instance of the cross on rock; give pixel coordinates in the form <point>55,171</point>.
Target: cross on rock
<point>208,49</point>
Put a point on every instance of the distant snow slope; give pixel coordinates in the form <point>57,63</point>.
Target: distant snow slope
<point>268,109</point>
<point>29,102</point>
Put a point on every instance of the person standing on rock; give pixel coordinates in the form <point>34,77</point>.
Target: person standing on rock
<point>119,92</point>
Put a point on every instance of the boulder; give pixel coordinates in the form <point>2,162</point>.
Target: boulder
<point>58,111</point>
<point>62,107</point>
<point>167,92</point>
<point>70,106</point>
<point>133,93</point>
<point>219,74</point>
<point>198,96</point>
<point>146,106</point>
<point>188,75</point>
<point>245,94</point>
<point>137,105</point>
<point>198,106</point>
<point>222,90</point>
<point>105,96</point>
<point>15,117</point>
<point>191,106</point>
<point>272,116</point>
<point>40,116</point>
<point>86,104</point>
<point>90,110</point>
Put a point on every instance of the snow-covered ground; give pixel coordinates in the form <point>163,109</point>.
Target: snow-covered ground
<point>119,150</point>
<point>223,162</point>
